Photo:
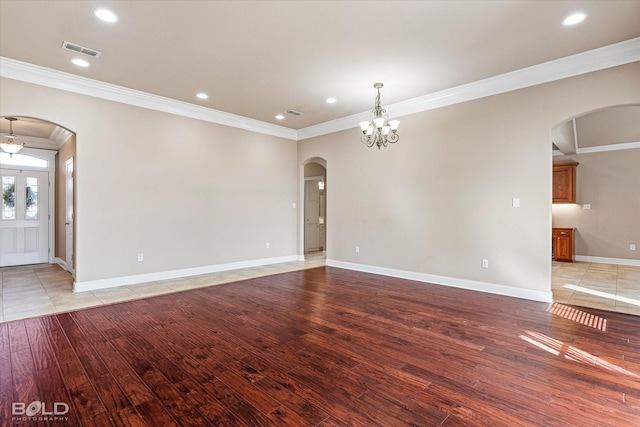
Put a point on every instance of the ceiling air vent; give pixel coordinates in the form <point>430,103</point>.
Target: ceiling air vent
<point>294,112</point>
<point>80,49</point>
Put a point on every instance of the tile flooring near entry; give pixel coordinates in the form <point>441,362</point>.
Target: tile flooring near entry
<point>37,290</point>
<point>41,289</point>
<point>610,287</point>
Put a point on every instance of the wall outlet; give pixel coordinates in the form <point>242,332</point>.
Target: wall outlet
<point>632,247</point>
<point>140,257</point>
<point>357,249</point>
<point>293,205</point>
<point>485,263</point>
<point>268,245</point>
<point>586,206</point>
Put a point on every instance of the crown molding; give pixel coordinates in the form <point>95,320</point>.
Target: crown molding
<point>60,135</point>
<point>610,147</point>
<point>30,73</point>
<point>586,62</point>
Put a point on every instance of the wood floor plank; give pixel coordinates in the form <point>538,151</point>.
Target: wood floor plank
<point>328,347</point>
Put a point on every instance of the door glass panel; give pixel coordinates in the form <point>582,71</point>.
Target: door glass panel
<point>8,197</point>
<point>32,198</point>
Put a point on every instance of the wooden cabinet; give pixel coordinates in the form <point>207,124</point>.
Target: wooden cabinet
<point>562,243</point>
<point>564,182</point>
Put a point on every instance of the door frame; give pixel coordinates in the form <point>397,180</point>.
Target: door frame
<point>301,204</point>
<point>69,204</point>
<point>50,157</point>
<point>304,210</point>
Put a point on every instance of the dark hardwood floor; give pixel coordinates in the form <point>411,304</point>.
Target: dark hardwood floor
<point>325,347</point>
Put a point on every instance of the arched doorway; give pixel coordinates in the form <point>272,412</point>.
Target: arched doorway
<point>37,185</point>
<point>604,148</point>
<point>314,204</point>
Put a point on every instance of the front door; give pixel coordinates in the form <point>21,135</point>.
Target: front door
<point>24,221</point>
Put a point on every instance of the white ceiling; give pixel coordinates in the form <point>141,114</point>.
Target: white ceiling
<point>260,58</point>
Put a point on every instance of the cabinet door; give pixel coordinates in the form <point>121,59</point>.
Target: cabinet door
<point>563,248</point>
<point>564,183</point>
<point>563,244</point>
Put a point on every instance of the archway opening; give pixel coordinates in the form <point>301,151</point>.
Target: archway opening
<point>314,208</point>
<point>594,225</point>
<point>37,224</point>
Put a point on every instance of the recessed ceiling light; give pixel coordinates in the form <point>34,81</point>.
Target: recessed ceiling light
<point>202,95</point>
<point>106,15</point>
<point>574,19</point>
<point>331,100</point>
<point>280,117</point>
<point>80,62</point>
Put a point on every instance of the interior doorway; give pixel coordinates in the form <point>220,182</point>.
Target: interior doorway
<point>315,212</point>
<point>37,193</point>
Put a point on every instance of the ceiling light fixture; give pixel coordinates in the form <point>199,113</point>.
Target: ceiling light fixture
<point>80,62</point>
<point>106,15</point>
<point>202,95</point>
<point>10,145</point>
<point>331,100</point>
<point>380,130</point>
<point>574,19</point>
<point>280,117</point>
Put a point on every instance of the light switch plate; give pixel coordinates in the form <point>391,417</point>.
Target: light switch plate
<point>515,202</point>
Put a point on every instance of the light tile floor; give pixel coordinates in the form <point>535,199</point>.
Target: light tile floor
<point>37,290</point>
<point>610,287</point>
<point>42,289</point>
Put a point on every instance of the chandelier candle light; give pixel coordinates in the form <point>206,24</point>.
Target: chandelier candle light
<point>10,146</point>
<point>380,130</point>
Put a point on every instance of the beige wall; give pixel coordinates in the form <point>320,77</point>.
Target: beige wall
<point>186,193</point>
<point>610,183</point>
<point>439,201</point>
<point>67,151</point>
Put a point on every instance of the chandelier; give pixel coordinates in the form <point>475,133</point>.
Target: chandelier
<point>10,145</point>
<point>379,130</point>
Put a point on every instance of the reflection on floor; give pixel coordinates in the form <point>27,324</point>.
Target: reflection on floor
<point>42,289</point>
<point>37,290</point>
<point>605,286</point>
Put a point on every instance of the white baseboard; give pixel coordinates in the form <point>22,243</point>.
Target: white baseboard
<point>92,285</point>
<point>62,263</point>
<point>604,260</point>
<point>491,288</point>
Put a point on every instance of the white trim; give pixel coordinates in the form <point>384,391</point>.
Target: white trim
<point>18,70</point>
<point>92,285</point>
<point>586,62</point>
<point>62,263</point>
<point>621,53</point>
<point>610,147</point>
<point>604,260</point>
<point>472,285</point>
<point>575,135</point>
<point>60,136</point>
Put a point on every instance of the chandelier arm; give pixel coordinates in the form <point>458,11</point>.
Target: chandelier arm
<point>393,138</point>
<point>367,140</point>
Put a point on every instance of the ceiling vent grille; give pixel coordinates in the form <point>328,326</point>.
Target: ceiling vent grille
<point>80,49</point>
<point>294,112</point>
